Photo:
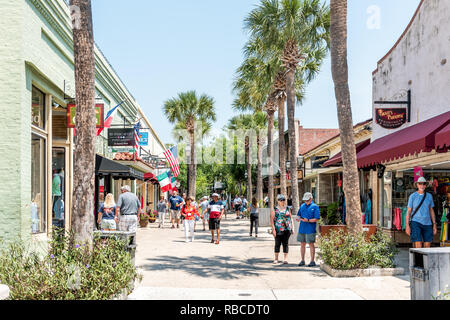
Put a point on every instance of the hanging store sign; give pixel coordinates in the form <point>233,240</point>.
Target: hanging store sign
<point>71,112</point>
<point>318,161</point>
<point>143,138</point>
<point>122,137</point>
<point>391,118</point>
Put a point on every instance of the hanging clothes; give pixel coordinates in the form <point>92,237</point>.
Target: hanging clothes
<point>368,213</point>
<point>444,228</point>
<point>397,219</point>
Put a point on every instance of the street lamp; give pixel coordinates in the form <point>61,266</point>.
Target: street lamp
<point>246,175</point>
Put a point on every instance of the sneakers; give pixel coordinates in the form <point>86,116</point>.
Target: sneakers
<point>312,264</point>
<point>301,264</point>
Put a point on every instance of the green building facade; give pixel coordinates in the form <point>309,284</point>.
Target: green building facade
<point>36,84</point>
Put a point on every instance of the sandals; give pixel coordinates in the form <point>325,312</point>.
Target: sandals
<point>285,262</point>
<point>212,241</point>
<point>217,242</point>
<point>276,262</point>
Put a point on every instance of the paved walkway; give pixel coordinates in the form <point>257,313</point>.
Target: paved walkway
<point>240,267</point>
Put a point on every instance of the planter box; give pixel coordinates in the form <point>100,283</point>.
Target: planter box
<point>4,292</point>
<point>368,229</point>
<point>143,223</point>
<point>371,272</point>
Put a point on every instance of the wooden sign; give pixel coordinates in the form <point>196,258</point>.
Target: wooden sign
<point>391,118</point>
<point>71,111</point>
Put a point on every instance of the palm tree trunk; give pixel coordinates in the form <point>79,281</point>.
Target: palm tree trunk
<point>292,139</point>
<point>82,222</point>
<point>249,169</point>
<point>270,155</point>
<point>192,166</point>
<point>282,147</point>
<point>339,67</point>
<point>259,180</point>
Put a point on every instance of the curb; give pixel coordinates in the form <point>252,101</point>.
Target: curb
<point>371,272</point>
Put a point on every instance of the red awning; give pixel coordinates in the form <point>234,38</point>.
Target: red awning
<point>149,175</point>
<point>414,139</point>
<point>443,139</point>
<point>338,157</point>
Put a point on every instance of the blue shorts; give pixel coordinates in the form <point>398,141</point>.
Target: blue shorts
<point>421,233</point>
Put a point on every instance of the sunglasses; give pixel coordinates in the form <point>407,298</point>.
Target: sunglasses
<point>282,200</point>
<point>421,183</point>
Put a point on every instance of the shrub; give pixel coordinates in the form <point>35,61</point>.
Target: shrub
<point>333,216</point>
<point>344,251</point>
<point>68,271</point>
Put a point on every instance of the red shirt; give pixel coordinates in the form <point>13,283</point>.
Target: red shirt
<point>215,209</point>
<point>190,212</point>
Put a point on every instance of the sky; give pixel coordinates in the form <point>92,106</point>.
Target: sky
<point>162,48</point>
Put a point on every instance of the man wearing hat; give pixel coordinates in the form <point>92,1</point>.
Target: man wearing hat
<point>215,211</point>
<point>204,207</point>
<point>420,217</point>
<point>307,215</point>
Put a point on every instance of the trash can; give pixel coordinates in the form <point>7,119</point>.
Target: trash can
<point>429,272</point>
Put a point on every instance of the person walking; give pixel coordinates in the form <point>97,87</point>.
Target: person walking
<point>203,210</point>
<point>175,205</point>
<point>307,215</point>
<point>105,218</point>
<point>254,217</point>
<point>189,212</point>
<point>161,207</point>
<point>129,208</point>
<point>237,206</point>
<point>281,227</point>
<point>215,211</point>
<point>420,216</point>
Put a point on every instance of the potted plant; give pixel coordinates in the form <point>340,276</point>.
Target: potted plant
<point>152,216</point>
<point>143,219</point>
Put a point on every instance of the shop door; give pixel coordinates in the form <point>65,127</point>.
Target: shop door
<point>58,187</point>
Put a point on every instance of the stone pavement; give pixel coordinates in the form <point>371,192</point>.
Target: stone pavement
<point>240,267</point>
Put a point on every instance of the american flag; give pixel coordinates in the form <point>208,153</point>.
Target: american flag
<point>172,157</point>
<point>136,140</point>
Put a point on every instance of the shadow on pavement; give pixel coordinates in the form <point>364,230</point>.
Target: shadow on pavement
<point>221,267</point>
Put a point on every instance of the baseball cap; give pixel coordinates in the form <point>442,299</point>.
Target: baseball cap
<point>281,197</point>
<point>307,196</point>
<point>215,195</point>
<point>421,179</point>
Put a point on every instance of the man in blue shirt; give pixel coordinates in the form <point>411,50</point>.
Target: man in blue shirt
<point>175,205</point>
<point>423,223</point>
<point>307,215</point>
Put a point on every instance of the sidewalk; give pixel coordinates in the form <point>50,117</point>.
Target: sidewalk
<point>240,267</point>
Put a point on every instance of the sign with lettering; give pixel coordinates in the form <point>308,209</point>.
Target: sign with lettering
<point>120,137</point>
<point>391,118</point>
<point>71,111</point>
<point>143,138</point>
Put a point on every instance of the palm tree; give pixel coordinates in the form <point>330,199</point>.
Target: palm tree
<point>84,153</point>
<point>187,109</point>
<point>253,89</point>
<point>339,68</point>
<point>290,30</point>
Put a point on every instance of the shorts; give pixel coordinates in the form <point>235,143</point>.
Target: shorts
<point>175,214</point>
<point>237,207</point>
<point>206,216</point>
<point>108,224</point>
<point>214,223</point>
<point>128,223</point>
<point>421,233</point>
<point>306,237</point>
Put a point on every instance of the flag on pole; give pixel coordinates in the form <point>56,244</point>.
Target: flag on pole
<point>173,181</point>
<point>109,118</point>
<point>136,140</point>
<point>164,182</point>
<point>172,157</point>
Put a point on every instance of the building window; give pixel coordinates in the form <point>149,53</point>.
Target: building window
<point>58,187</point>
<point>37,108</point>
<point>38,210</point>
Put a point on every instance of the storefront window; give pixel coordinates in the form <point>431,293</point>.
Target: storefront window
<point>386,200</point>
<point>37,108</point>
<point>58,187</point>
<point>59,123</point>
<point>38,211</point>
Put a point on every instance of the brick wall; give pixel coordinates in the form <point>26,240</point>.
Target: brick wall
<point>311,138</point>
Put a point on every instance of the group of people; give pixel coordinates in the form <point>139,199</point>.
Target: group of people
<point>240,204</point>
<point>184,208</point>
<point>123,215</point>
